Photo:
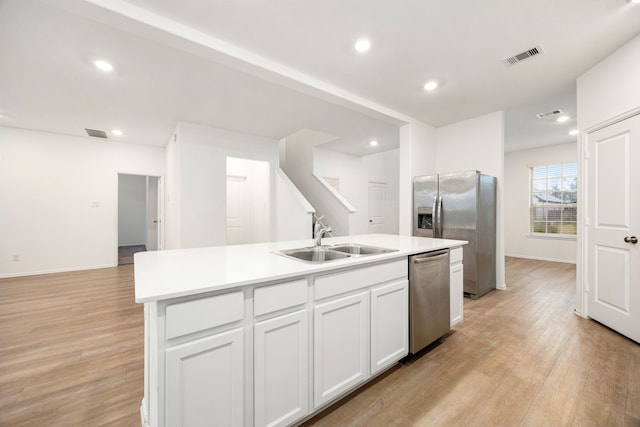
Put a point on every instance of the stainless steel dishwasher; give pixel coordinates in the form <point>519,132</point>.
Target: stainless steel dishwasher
<point>429,300</point>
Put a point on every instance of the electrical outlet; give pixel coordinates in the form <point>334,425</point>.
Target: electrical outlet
<point>15,257</point>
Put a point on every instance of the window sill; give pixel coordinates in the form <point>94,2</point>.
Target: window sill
<point>552,236</point>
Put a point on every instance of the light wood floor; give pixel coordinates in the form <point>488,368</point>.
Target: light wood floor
<point>71,354</point>
<point>521,357</point>
<point>71,349</point>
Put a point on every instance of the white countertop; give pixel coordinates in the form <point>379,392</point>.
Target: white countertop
<point>169,274</point>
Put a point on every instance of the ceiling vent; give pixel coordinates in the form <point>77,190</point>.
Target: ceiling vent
<point>522,56</point>
<point>549,113</point>
<point>96,133</point>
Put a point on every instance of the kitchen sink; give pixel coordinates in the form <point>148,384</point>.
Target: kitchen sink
<point>357,249</point>
<point>318,254</point>
<point>314,254</point>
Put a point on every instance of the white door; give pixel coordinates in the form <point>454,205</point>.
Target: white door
<point>153,213</point>
<point>205,382</point>
<point>613,226</point>
<point>237,210</point>
<point>340,346</point>
<point>281,369</point>
<point>377,206</point>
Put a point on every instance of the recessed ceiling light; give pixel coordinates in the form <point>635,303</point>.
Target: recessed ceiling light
<point>635,1</point>
<point>373,143</point>
<point>103,65</point>
<point>574,132</point>
<point>117,132</point>
<point>362,45</point>
<point>429,86</point>
<point>562,119</point>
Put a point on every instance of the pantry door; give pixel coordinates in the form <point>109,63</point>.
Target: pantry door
<point>613,226</point>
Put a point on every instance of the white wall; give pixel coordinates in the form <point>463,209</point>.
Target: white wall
<point>297,162</point>
<point>417,156</point>
<point>132,209</point>
<point>610,88</point>
<point>350,171</point>
<point>196,200</point>
<point>293,213</point>
<point>384,167</point>
<point>518,243</point>
<point>477,143</point>
<point>59,199</point>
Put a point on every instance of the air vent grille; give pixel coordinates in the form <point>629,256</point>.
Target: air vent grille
<point>549,113</point>
<point>523,55</point>
<point>96,133</point>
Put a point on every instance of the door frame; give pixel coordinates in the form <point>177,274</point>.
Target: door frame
<point>582,238</point>
<point>161,210</point>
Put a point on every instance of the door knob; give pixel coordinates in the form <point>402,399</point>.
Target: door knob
<point>632,239</point>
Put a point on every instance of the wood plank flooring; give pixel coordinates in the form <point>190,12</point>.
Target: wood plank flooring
<point>71,349</point>
<point>520,357</point>
<point>71,354</point>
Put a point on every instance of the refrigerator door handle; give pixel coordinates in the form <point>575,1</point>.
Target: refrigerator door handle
<point>439,215</point>
<point>434,218</point>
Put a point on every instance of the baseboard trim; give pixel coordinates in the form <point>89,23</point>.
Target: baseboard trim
<point>54,270</point>
<point>565,261</point>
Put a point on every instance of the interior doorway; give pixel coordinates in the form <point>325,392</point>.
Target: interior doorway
<point>248,201</point>
<point>139,223</point>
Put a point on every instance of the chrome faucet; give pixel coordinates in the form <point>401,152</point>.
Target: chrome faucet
<point>318,231</point>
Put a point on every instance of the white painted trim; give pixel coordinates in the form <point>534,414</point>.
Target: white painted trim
<point>56,270</point>
<point>294,191</point>
<point>552,236</point>
<point>613,120</point>
<point>565,261</point>
<point>333,191</point>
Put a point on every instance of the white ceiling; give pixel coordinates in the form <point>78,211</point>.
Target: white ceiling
<point>272,68</point>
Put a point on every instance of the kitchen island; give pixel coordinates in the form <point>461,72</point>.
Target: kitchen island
<point>240,335</point>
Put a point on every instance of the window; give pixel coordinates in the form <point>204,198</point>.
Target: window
<point>553,208</point>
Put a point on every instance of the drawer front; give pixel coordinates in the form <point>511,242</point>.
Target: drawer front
<point>192,316</point>
<point>272,298</point>
<point>362,277</point>
<point>455,255</point>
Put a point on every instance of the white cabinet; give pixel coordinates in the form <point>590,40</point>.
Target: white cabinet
<point>340,345</point>
<point>389,325</point>
<point>456,283</point>
<point>281,369</point>
<point>360,326</point>
<point>204,381</point>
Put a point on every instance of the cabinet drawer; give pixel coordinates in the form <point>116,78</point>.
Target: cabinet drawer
<point>192,316</point>
<point>455,255</point>
<point>278,297</point>
<point>338,283</point>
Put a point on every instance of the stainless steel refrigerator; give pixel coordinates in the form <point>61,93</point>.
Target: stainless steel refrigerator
<point>461,206</point>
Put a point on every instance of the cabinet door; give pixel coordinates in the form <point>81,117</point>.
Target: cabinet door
<point>281,369</point>
<point>341,345</point>
<point>456,280</point>
<point>389,324</point>
<point>204,382</point>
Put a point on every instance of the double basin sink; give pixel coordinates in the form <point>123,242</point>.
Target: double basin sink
<point>318,254</point>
